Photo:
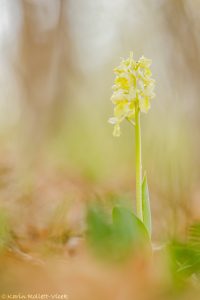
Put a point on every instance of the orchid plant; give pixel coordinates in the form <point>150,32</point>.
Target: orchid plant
<point>116,236</point>
<point>133,91</point>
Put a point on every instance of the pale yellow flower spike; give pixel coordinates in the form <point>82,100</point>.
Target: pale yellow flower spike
<point>133,87</point>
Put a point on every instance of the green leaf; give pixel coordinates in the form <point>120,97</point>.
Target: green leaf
<point>115,237</point>
<point>128,226</point>
<point>146,209</point>
<point>99,230</point>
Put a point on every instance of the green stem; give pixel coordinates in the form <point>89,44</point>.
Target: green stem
<point>138,159</point>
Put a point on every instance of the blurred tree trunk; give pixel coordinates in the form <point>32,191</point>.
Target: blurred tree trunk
<point>43,69</point>
<point>182,27</point>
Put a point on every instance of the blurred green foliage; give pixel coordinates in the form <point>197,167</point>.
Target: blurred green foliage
<point>4,230</point>
<point>185,256</point>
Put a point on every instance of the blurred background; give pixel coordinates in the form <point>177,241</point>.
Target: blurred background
<point>56,72</point>
<point>57,152</point>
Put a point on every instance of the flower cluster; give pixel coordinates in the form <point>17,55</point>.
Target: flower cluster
<point>133,89</point>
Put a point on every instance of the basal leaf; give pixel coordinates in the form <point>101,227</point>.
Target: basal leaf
<point>129,225</point>
<point>117,237</point>
<point>146,209</point>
